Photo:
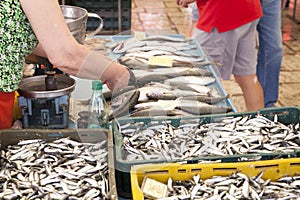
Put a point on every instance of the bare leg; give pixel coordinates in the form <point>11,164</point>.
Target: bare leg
<point>252,90</point>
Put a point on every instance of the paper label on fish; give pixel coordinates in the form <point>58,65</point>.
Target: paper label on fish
<point>139,35</point>
<point>161,61</point>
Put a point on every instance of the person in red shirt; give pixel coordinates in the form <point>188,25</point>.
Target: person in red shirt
<point>227,30</point>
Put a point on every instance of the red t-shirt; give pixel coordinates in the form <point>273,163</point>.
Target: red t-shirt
<point>226,15</point>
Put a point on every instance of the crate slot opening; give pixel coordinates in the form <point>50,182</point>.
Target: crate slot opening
<point>267,166</point>
<point>182,171</point>
<point>225,169</point>
<point>196,170</point>
<point>157,172</point>
<point>295,164</point>
<point>279,113</point>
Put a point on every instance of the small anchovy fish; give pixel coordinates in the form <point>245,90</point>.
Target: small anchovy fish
<point>231,187</point>
<point>62,169</point>
<point>246,136</point>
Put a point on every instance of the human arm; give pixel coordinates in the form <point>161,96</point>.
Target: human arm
<point>185,3</point>
<point>58,44</point>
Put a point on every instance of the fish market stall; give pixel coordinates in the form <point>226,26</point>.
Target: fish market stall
<point>178,112</point>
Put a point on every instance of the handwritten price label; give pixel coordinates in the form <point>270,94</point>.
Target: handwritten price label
<point>161,61</point>
<point>139,35</point>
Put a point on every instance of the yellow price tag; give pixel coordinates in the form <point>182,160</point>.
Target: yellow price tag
<point>161,61</point>
<point>139,35</point>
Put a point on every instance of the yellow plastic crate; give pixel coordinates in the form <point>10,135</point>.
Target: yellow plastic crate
<point>274,169</point>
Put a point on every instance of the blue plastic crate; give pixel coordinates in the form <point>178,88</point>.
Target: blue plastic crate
<point>199,50</point>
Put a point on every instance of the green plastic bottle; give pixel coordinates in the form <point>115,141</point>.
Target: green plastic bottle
<point>98,107</point>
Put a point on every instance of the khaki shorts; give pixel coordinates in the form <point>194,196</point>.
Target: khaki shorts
<point>235,50</point>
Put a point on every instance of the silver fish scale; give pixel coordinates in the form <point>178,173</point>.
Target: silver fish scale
<point>235,186</point>
<point>63,169</point>
<point>232,136</point>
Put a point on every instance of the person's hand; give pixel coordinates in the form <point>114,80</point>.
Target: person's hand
<point>184,3</point>
<point>118,77</point>
<point>132,79</point>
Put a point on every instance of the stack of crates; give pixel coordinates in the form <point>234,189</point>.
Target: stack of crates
<point>128,189</point>
<point>108,10</point>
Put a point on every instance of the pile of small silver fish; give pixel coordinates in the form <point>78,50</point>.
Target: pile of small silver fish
<point>231,136</point>
<point>235,186</point>
<point>62,169</point>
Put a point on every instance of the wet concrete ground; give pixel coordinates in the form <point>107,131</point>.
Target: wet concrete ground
<point>164,16</point>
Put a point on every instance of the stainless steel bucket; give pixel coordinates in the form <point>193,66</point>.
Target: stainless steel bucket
<point>76,19</point>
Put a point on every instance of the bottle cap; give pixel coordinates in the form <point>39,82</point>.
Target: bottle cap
<point>97,85</point>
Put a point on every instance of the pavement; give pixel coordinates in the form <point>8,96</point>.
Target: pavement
<point>165,17</point>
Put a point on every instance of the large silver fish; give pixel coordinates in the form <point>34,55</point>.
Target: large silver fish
<point>196,107</point>
<point>151,88</point>
<point>124,103</point>
<point>131,43</point>
<point>153,111</point>
<point>204,98</point>
<point>200,80</point>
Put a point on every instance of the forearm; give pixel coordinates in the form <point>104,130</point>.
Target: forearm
<point>58,44</point>
<point>98,66</point>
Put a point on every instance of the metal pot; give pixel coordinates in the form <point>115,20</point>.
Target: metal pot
<point>35,87</point>
<point>76,19</point>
